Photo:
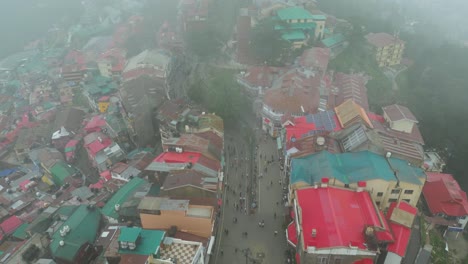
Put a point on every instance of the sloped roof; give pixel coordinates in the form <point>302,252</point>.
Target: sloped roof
<point>312,124</point>
<point>339,217</point>
<point>316,58</point>
<point>333,40</point>
<point>351,87</point>
<point>349,113</point>
<point>398,112</point>
<point>290,100</point>
<point>401,233</point>
<point>84,225</point>
<point>383,128</point>
<point>349,167</point>
<point>70,118</point>
<point>211,121</point>
<point>149,240</point>
<point>9,225</point>
<point>122,195</point>
<point>382,39</point>
<point>262,76</point>
<point>185,177</point>
<point>444,195</point>
<point>294,13</point>
<point>60,171</point>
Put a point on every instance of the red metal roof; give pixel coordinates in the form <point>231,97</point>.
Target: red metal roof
<point>174,157</point>
<point>351,86</point>
<point>316,58</point>
<point>382,39</point>
<point>302,127</point>
<point>400,232</point>
<point>339,217</point>
<point>262,76</point>
<point>444,195</point>
<point>11,224</point>
<point>95,124</point>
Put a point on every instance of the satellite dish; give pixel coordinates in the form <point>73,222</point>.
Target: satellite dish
<point>320,141</point>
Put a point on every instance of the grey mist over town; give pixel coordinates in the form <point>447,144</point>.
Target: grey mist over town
<point>233,131</point>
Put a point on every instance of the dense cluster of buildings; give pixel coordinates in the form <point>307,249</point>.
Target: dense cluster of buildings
<point>80,179</point>
<point>355,177</point>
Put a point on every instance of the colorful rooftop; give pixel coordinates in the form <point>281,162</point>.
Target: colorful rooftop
<point>401,216</point>
<point>294,13</point>
<point>147,244</point>
<point>84,225</point>
<point>339,217</point>
<point>444,195</point>
<point>122,195</point>
<point>312,124</point>
<point>333,40</point>
<point>350,167</point>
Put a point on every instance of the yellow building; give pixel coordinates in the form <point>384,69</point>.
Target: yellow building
<point>163,213</point>
<point>387,179</point>
<point>388,49</point>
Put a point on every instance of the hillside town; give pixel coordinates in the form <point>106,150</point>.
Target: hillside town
<point>106,158</point>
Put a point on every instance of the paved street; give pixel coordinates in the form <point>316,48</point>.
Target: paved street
<point>261,245</point>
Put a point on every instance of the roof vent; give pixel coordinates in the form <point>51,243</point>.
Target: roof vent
<point>117,207</point>
<point>314,232</point>
<point>320,141</point>
<point>388,155</point>
<point>62,243</point>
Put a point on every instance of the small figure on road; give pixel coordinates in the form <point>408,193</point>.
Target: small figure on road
<point>235,219</point>
<point>276,233</point>
<point>222,252</point>
<point>274,216</point>
<point>235,250</point>
<point>271,182</point>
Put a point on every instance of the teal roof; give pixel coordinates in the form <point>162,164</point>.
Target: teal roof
<point>147,244</point>
<point>84,225</point>
<point>129,234</point>
<point>349,167</point>
<point>304,26</point>
<point>60,171</point>
<point>293,35</point>
<point>333,40</point>
<point>66,210</point>
<point>294,13</point>
<point>319,17</point>
<point>406,172</point>
<point>121,196</point>
<point>21,231</point>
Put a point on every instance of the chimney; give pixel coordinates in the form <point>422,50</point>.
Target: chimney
<point>361,186</point>
<point>325,182</point>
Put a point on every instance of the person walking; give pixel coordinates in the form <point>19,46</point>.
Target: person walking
<point>274,216</point>
<point>222,252</point>
<point>276,233</point>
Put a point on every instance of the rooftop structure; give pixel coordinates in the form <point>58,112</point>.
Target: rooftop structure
<point>349,113</point>
<point>400,216</point>
<point>444,196</point>
<point>382,39</point>
<point>349,87</point>
<point>155,63</point>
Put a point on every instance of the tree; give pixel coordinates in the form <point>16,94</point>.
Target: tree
<point>267,45</point>
<point>203,42</point>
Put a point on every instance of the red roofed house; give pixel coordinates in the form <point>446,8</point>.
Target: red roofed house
<point>10,225</point>
<point>181,160</point>
<point>102,151</point>
<point>349,87</point>
<point>195,143</point>
<point>335,225</point>
<point>445,199</point>
<point>298,94</point>
<point>258,79</point>
<point>400,217</point>
<point>74,66</point>
<point>315,59</point>
<point>388,49</point>
<point>112,62</point>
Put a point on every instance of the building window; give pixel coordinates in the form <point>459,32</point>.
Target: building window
<point>346,185</point>
<point>407,200</point>
<point>379,194</point>
<point>392,200</point>
<point>395,191</point>
<point>377,203</point>
<point>408,191</point>
<point>337,261</point>
<point>322,260</point>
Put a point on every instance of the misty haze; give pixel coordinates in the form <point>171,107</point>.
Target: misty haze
<point>233,131</point>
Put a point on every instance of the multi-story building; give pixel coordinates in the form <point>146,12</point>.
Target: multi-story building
<point>388,179</point>
<point>335,225</point>
<point>297,25</point>
<point>164,213</point>
<point>388,49</point>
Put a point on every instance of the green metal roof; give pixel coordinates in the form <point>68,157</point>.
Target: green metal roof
<point>349,167</point>
<point>84,226</point>
<point>60,171</point>
<point>303,26</point>
<point>294,35</point>
<point>352,167</point>
<point>129,234</point>
<point>294,13</point>
<point>148,244</point>
<point>333,40</point>
<point>21,231</point>
<point>121,196</point>
<point>319,17</point>
<point>66,210</point>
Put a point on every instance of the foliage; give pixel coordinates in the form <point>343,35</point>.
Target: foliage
<point>267,45</point>
<point>31,254</point>
<point>220,94</point>
<point>203,42</point>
